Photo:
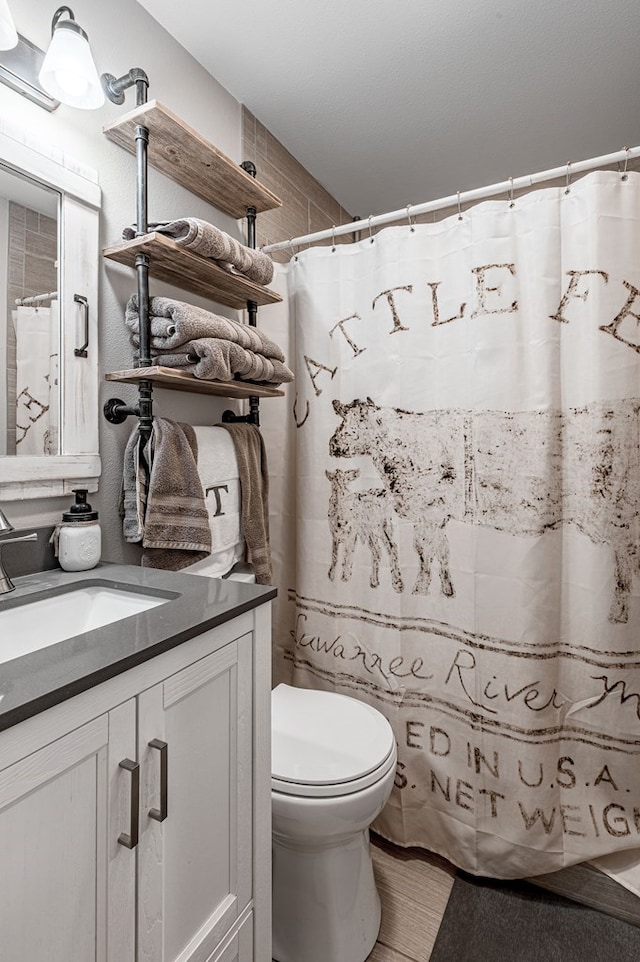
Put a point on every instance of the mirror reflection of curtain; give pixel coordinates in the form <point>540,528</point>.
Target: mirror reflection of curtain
<point>37,379</point>
<point>5,313</point>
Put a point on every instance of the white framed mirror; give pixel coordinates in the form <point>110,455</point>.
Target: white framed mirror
<point>49,224</point>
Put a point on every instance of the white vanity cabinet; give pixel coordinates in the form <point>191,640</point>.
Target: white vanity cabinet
<point>143,833</point>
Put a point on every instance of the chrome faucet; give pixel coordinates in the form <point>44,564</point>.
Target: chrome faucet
<point>6,583</point>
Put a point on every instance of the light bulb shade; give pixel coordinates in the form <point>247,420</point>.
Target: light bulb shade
<point>8,33</point>
<point>68,72</point>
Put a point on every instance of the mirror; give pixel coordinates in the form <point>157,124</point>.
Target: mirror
<point>29,328</point>
<point>49,219</point>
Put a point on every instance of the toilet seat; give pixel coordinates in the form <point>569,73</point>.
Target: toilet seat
<point>326,745</point>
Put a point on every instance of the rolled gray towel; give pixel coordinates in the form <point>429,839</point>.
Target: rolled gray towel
<point>215,359</point>
<point>209,241</point>
<point>173,323</point>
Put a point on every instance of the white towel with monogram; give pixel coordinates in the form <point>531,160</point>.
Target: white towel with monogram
<point>218,470</point>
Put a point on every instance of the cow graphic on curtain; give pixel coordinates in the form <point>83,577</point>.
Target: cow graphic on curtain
<point>444,465</point>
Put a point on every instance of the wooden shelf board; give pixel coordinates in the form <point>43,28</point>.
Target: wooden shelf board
<point>176,380</point>
<point>177,265</point>
<point>186,157</point>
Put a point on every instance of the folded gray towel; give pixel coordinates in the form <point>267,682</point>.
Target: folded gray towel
<point>173,323</point>
<point>215,359</point>
<point>209,241</point>
<point>254,489</point>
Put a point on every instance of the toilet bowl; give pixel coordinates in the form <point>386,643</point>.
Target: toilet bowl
<point>333,766</point>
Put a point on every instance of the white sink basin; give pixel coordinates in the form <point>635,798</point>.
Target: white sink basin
<point>38,624</point>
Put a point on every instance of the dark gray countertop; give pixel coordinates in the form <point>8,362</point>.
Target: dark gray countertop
<point>39,680</point>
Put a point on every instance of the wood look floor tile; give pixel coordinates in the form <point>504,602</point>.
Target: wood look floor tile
<point>414,887</point>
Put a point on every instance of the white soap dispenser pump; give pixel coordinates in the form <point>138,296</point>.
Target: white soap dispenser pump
<point>79,535</point>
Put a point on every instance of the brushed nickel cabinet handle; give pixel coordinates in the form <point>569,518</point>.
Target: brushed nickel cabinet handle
<point>159,814</point>
<point>131,840</point>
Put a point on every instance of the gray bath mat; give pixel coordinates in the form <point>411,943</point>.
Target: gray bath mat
<point>495,921</point>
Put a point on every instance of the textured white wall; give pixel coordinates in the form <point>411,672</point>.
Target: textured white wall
<point>122,36</point>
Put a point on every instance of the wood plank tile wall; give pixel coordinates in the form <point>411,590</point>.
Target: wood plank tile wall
<point>306,205</point>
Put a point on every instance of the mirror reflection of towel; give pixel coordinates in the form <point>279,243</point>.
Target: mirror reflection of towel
<point>36,379</point>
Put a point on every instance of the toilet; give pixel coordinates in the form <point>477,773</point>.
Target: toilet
<point>333,766</point>
<point>332,770</point>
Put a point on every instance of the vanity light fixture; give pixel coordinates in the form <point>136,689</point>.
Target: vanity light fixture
<point>19,68</point>
<point>8,32</point>
<point>20,61</point>
<point>68,72</point>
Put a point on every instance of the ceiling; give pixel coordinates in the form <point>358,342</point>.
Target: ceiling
<point>391,102</point>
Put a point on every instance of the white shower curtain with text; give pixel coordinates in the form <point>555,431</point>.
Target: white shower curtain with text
<point>467,517</point>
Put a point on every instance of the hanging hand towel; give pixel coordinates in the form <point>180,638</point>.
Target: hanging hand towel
<point>254,488</point>
<point>213,359</point>
<point>209,241</point>
<point>133,497</point>
<point>220,477</point>
<point>174,323</point>
<point>176,523</point>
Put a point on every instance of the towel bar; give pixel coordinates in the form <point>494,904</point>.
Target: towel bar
<point>253,417</point>
<point>116,411</point>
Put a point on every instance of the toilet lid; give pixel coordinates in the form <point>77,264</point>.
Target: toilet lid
<point>326,743</point>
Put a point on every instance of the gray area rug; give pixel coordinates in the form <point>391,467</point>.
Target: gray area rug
<point>494,921</point>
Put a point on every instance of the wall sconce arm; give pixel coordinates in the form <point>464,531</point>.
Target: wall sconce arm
<point>114,87</point>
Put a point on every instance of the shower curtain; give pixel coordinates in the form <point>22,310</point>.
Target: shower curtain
<point>463,552</point>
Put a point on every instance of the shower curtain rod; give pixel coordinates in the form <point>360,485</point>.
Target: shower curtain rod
<point>507,186</point>
<point>36,299</point>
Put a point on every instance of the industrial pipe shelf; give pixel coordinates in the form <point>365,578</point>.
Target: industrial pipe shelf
<point>175,264</point>
<point>188,158</point>
<point>177,380</point>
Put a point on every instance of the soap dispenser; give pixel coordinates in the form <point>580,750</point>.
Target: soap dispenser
<point>79,535</point>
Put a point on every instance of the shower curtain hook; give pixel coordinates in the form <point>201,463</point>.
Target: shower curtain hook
<point>511,201</point>
<point>333,238</point>
<point>568,178</point>
<point>293,250</point>
<point>625,175</point>
<point>370,218</point>
<point>412,225</point>
<point>459,208</point>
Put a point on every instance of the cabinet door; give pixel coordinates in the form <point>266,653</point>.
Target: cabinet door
<point>237,947</point>
<point>194,869</point>
<point>53,851</point>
